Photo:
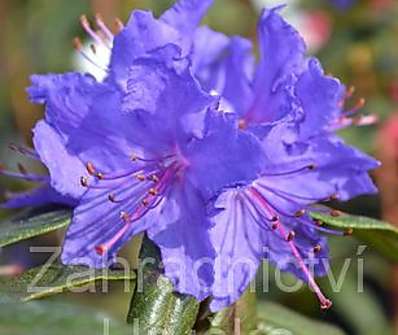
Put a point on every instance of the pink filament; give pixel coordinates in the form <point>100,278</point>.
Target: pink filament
<point>325,302</point>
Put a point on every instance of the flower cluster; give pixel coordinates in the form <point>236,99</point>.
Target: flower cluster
<point>216,156</point>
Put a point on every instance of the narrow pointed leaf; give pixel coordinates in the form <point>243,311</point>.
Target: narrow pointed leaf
<point>276,319</point>
<point>240,318</point>
<point>154,307</point>
<point>380,235</point>
<point>49,318</point>
<point>26,226</point>
<point>41,281</point>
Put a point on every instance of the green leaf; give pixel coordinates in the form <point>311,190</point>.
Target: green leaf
<point>49,318</point>
<point>361,310</point>
<point>276,319</point>
<point>26,226</point>
<point>41,281</point>
<point>154,307</point>
<point>240,318</point>
<point>378,234</point>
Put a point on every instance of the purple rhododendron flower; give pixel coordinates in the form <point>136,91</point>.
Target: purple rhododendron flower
<point>218,159</point>
<point>294,110</point>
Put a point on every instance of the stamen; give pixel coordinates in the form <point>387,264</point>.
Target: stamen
<point>309,167</point>
<point>300,213</point>
<point>334,197</point>
<point>140,177</point>
<point>22,168</point>
<point>103,27</point>
<point>125,216</point>
<point>154,178</point>
<point>153,191</point>
<point>359,105</point>
<point>290,237</point>
<point>119,25</point>
<point>335,213</point>
<point>325,303</point>
<point>242,124</point>
<point>24,151</point>
<point>317,249</point>
<point>84,181</point>
<point>153,197</point>
<point>112,198</point>
<point>350,92</point>
<point>319,223</point>
<point>91,169</point>
<point>87,27</point>
<point>24,176</point>
<point>349,232</point>
<point>275,226</point>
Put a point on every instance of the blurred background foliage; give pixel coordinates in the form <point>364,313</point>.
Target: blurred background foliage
<point>356,41</point>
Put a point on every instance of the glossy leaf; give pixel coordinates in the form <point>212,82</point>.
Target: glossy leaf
<point>49,318</point>
<point>26,226</point>
<point>378,234</point>
<point>368,317</point>
<point>276,319</point>
<point>154,307</point>
<point>41,281</point>
<point>240,318</point>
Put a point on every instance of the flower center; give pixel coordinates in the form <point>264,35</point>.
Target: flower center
<point>149,184</point>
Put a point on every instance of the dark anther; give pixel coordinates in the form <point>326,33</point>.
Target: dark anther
<point>335,213</point>
<point>154,178</point>
<point>84,21</point>
<point>22,169</point>
<point>334,197</point>
<point>242,124</point>
<point>311,167</point>
<point>326,305</point>
<point>84,181</point>
<point>100,250</point>
<point>119,24</point>
<point>140,177</point>
<point>145,202</point>
<point>93,49</point>
<point>112,197</point>
<point>275,219</point>
<point>91,169</point>
<point>299,213</point>
<point>125,216</point>
<point>317,249</point>
<point>77,43</point>
<point>291,236</point>
<point>275,226</point>
<point>318,222</point>
<point>99,175</point>
<point>153,191</point>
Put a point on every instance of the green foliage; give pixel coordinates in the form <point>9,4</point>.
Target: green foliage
<point>242,315</point>
<point>378,234</point>
<point>275,317</point>
<point>154,306</point>
<point>45,281</point>
<point>352,304</point>
<point>49,318</point>
<point>26,226</point>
